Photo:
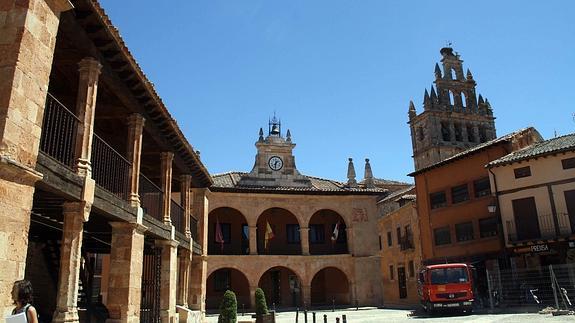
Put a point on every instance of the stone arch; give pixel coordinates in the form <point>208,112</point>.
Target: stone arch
<point>235,232</point>
<point>330,285</point>
<point>321,227</point>
<point>222,279</point>
<point>286,234</point>
<point>282,287</point>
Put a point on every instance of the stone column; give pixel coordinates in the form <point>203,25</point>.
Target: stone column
<point>186,198</point>
<point>253,296</point>
<point>304,237</point>
<point>125,276</point>
<point>75,214</point>
<point>197,297</point>
<point>253,240</point>
<point>168,278</point>
<point>200,208</point>
<point>166,165</point>
<point>185,259</point>
<point>85,110</point>
<point>306,291</point>
<point>28,32</point>
<point>464,136</point>
<point>134,154</point>
<point>452,131</point>
<point>349,234</point>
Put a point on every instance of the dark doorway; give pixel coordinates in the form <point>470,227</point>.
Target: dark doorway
<point>276,287</point>
<point>402,282</point>
<point>570,201</point>
<point>526,220</point>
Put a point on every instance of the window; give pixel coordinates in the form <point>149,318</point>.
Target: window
<point>445,133</point>
<point>522,172</point>
<point>398,232</point>
<point>482,187</point>
<point>222,280</point>
<point>488,227</point>
<point>458,132</point>
<point>292,233</point>
<point>420,134</point>
<point>438,199</point>
<point>459,194</point>
<point>226,232</point>
<point>411,269</point>
<point>391,272</point>
<point>482,134</point>
<point>380,245</point>
<point>464,231</point>
<point>568,163</point>
<point>316,234</point>
<point>442,236</point>
<point>389,242</point>
<point>470,134</point>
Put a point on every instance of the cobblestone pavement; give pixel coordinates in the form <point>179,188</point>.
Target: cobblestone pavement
<point>389,316</point>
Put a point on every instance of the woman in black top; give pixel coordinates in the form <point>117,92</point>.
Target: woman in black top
<point>22,296</point>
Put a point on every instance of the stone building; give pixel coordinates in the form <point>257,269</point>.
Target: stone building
<point>100,192</point>
<point>400,248</point>
<point>454,117</point>
<point>535,190</point>
<point>324,249</point>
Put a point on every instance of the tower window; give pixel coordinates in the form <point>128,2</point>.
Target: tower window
<point>470,134</point>
<point>445,133</point>
<point>458,135</point>
<point>420,134</point>
<point>451,100</point>
<point>463,100</point>
<point>482,134</point>
<point>453,74</point>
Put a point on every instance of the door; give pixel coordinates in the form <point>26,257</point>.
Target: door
<point>526,220</point>
<point>570,201</point>
<point>276,291</point>
<point>402,283</point>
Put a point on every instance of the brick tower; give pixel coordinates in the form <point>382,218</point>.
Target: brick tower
<point>454,118</point>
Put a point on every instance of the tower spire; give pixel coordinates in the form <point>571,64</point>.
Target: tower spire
<point>412,113</point>
<point>351,182</point>
<point>368,175</point>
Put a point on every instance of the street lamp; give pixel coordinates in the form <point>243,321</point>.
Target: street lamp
<point>492,207</point>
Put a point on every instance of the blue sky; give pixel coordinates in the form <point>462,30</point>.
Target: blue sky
<point>340,74</point>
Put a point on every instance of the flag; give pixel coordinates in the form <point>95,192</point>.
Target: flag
<point>335,233</point>
<point>219,234</point>
<point>269,235</point>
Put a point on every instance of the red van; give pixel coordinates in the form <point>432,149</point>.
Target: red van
<point>446,286</point>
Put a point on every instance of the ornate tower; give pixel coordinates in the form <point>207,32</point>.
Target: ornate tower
<point>275,162</point>
<point>454,118</point>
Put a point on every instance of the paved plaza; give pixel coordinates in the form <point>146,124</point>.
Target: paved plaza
<point>389,316</point>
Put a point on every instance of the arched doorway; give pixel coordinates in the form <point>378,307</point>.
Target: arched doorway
<point>322,233</point>
<point>223,279</point>
<point>282,287</point>
<point>285,229</point>
<point>234,239</point>
<point>330,285</point>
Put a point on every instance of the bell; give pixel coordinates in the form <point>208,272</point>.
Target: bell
<point>275,130</point>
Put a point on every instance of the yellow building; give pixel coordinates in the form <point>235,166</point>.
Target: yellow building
<point>400,248</point>
<point>535,189</point>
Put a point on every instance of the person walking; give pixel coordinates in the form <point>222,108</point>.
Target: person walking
<point>22,296</point>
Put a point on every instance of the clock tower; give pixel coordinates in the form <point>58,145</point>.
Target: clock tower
<point>275,163</point>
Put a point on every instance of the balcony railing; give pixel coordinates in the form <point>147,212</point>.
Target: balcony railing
<point>177,216</point>
<point>59,130</point>
<point>110,170</point>
<point>406,242</point>
<point>194,228</point>
<point>546,228</point>
<point>151,198</point>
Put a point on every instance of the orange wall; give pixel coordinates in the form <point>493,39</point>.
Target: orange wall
<point>445,177</point>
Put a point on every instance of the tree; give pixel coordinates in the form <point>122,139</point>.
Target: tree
<point>261,306</point>
<point>228,308</point>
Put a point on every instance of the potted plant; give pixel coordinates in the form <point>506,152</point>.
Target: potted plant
<point>228,308</point>
<point>262,314</point>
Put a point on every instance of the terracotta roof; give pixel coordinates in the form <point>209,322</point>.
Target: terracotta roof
<point>229,182</point>
<point>181,145</point>
<point>398,194</point>
<point>547,147</point>
<point>474,150</point>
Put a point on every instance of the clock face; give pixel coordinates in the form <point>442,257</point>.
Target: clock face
<point>275,163</point>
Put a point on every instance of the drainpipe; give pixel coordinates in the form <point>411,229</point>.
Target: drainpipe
<point>498,214</point>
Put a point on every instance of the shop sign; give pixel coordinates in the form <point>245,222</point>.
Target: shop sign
<point>535,248</point>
